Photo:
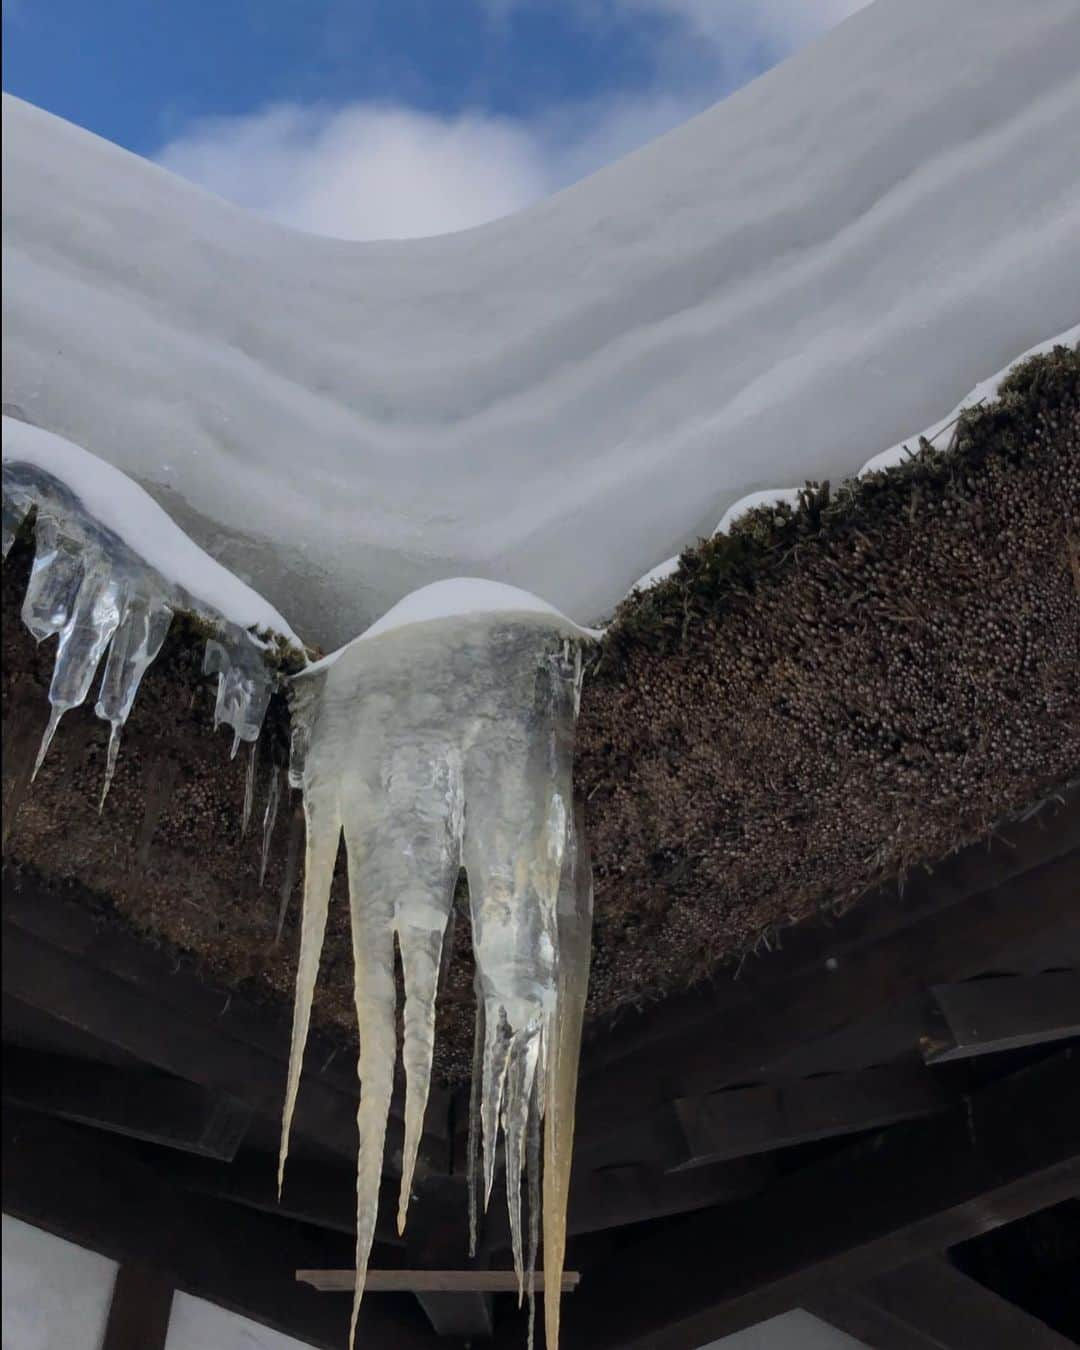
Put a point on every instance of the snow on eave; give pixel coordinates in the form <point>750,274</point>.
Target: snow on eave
<point>984,392</point>
<point>123,507</point>
<point>458,598</point>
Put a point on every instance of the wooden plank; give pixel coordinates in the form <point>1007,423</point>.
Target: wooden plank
<point>95,1001</point>
<point>965,939</point>
<point>139,1310</point>
<point>140,1104</point>
<point>92,1189</point>
<point>314,1193</point>
<point>746,1121</point>
<point>429,1281</point>
<point>985,1016</point>
<point>60,920</point>
<point>912,1190</point>
<point>930,1305</point>
<point>437,1240</point>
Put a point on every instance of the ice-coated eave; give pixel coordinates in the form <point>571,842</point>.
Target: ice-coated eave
<point>984,392</point>
<point>806,271</point>
<point>458,598</point>
<point>123,507</point>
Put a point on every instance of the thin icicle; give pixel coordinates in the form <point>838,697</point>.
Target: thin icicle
<point>269,820</point>
<point>532,1173</point>
<point>249,789</point>
<point>376,1006</point>
<point>575,940</point>
<point>472,1160</point>
<point>323,837</point>
<point>92,619</point>
<point>136,643</point>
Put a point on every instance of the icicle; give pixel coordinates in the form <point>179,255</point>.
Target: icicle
<point>244,684</point>
<point>431,745</point>
<point>92,620</point>
<point>136,643</point>
<point>575,939</point>
<point>55,578</point>
<point>97,595</point>
<point>269,820</point>
<point>472,1161</point>
<point>15,506</point>
<point>532,1172</point>
<point>323,836</point>
<point>249,789</point>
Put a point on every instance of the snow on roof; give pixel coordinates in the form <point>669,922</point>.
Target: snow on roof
<point>834,253</point>
<point>123,507</point>
<point>983,392</point>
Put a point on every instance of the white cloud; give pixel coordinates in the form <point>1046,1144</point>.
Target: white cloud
<point>381,171</point>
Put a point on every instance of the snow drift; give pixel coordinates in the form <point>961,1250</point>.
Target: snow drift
<point>772,292</point>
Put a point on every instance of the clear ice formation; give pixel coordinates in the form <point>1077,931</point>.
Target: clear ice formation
<point>433,746</point>
<point>96,595</point>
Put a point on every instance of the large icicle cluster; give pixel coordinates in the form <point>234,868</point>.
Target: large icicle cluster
<point>103,601</point>
<point>436,745</point>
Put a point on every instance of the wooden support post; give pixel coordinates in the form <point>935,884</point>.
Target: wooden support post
<point>139,1311</point>
<point>141,1104</point>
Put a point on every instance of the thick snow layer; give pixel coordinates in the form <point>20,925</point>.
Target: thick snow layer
<point>123,507</point>
<point>984,392</point>
<point>765,295</point>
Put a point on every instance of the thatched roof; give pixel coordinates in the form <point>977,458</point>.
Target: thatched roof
<point>819,702</point>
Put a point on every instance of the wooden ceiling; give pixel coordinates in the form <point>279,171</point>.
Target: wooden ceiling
<point>819,1132</point>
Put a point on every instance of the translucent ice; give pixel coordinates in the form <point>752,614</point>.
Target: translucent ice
<point>430,745</point>
<point>101,600</point>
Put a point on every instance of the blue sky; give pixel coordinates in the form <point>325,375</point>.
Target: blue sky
<point>370,118</point>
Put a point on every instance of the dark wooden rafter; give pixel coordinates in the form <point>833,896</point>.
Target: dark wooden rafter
<point>1005,1013</point>
<point>750,1030</point>
<point>913,1189</point>
<point>825,943</point>
<point>93,1189</point>
<point>745,1121</point>
<point>929,1305</point>
<point>140,1103</point>
<point>96,978</point>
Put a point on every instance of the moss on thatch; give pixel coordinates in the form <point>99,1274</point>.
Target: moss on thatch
<point>820,701</point>
<point>835,693</point>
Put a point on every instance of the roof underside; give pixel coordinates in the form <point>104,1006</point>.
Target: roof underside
<point>816,704</point>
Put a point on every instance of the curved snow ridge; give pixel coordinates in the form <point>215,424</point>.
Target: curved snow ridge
<point>984,392</point>
<point>458,598</point>
<point>822,260</point>
<point>123,507</point>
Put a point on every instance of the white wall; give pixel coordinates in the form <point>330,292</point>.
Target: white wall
<point>796,1330</point>
<point>55,1294</point>
<point>197,1325</point>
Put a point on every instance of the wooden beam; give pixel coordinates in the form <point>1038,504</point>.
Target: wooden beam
<point>314,1193</point>
<point>93,1189</point>
<point>429,1281</point>
<point>984,1016</point>
<point>832,943</point>
<point>767,1021</point>
<point>744,1121</point>
<point>930,1305</point>
<point>142,1105</point>
<point>61,959</point>
<point>911,1190</point>
<point>139,1310</point>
